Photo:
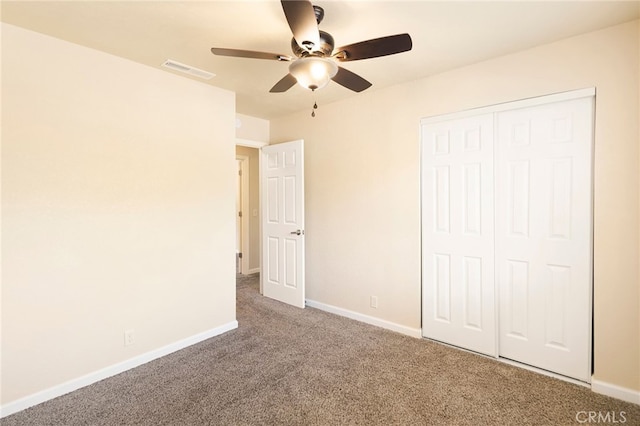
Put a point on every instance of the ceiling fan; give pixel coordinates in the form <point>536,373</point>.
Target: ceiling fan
<point>315,58</point>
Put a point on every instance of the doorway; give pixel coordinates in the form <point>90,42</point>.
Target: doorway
<point>248,208</point>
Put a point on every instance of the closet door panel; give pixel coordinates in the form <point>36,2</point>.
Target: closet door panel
<point>457,216</point>
<point>543,235</point>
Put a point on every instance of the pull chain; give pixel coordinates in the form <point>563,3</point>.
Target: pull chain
<point>315,107</point>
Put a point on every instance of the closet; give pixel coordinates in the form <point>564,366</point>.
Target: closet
<point>507,231</point>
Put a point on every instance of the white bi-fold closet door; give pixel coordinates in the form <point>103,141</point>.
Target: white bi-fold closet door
<point>506,231</point>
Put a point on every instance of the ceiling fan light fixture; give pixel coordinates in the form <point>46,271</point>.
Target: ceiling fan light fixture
<point>313,72</point>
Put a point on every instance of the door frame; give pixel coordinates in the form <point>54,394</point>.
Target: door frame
<point>245,248</point>
<point>252,144</point>
<point>510,105</point>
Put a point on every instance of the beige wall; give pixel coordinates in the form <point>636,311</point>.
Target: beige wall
<point>252,128</point>
<point>254,221</point>
<point>117,210</point>
<point>363,195</point>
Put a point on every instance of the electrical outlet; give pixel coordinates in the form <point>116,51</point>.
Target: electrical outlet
<point>374,302</point>
<point>129,337</point>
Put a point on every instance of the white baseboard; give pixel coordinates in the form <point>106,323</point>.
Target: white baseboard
<point>254,271</point>
<point>615,391</point>
<point>96,376</point>
<point>413,332</point>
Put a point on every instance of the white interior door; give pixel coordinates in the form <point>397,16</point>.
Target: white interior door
<point>283,240</point>
<point>543,235</point>
<point>458,235</point>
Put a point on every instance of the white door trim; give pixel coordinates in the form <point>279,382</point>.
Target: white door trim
<point>250,143</point>
<point>505,106</point>
<point>244,208</point>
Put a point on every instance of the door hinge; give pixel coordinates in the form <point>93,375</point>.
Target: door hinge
<point>239,172</point>
<point>239,255</point>
<point>240,214</point>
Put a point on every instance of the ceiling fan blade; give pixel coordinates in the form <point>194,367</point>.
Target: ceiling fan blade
<point>237,53</point>
<point>286,83</point>
<point>303,23</point>
<point>350,80</point>
<point>374,48</point>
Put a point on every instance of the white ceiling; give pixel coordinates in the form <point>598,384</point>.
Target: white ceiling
<point>446,35</point>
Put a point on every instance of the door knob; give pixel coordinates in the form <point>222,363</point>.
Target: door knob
<point>297,232</point>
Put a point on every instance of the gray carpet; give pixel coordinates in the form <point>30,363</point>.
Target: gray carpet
<point>306,367</point>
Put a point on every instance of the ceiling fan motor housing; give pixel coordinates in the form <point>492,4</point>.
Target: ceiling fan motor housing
<point>324,49</point>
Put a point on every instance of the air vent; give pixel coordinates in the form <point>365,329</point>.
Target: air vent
<point>177,66</point>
